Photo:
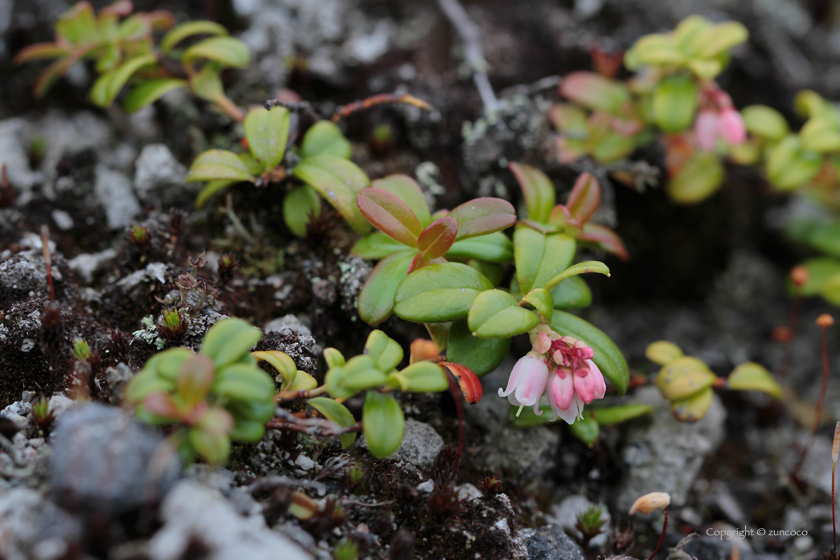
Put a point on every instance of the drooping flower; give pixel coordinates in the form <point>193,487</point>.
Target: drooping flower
<point>527,382</point>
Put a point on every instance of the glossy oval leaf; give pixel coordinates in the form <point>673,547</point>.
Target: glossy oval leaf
<point>653,50</point>
<point>300,206</point>
<point>210,189</point>
<point>424,377</point>
<point>594,91</point>
<point>607,357</point>
<point>106,88</point>
<point>390,215</point>
<point>662,352</point>
<point>537,190</point>
<point>244,382</point>
<point>584,198</point>
<point>605,239</point>
<point>189,29</point>
<point>496,314</point>
<point>697,179</point>
<point>753,377</point>
<point>267,132</point>
<point>437,238</point>
<point>335,412</point>
<point>407,190</point>
<point>360,373</point>
<point>384,424</point>
<point>684,377</point>
<point>572,293</point>
<point>439,293</point>
<point>206,84</point>
<point>375,246</point>
<point>693,408</point>
<point>540,257</point>
<point>324,137</point>
<point>765,122</point>
<point>542,301</point>
<point>226,50</point>
<point>720,38</point>
<point>282,363</point>
<point>576,269</point>
<point>675,103</point>
<point>229,340</point>
<point>376,300</point>
<point>482,216</point>
<point>494,247</point>
<point>385,352</point>
<point>480,355</point>
<point>338,181</point>
<point>790,166</point>
<point>611,415</point>
<point>215,165</point>
<point>586,429</point>
<point>150,91</point>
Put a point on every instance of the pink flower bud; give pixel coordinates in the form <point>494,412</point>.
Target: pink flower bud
<point>542,343</point>
<point>706,128</point>
<point>730,126</point>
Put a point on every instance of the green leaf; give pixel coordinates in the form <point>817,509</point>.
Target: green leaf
<point>663,352</point>
<point>334,358</point>
<point>693,408</point>
<point>653,50</point>
<point>407,190</point>
<point>375,246</point>
<point>537,189</point>
<point>244,382</point>
<point>214,447</point>
<point>594,91</point>
<point>492,271</point>
<point>437,238</point>
<point>584,198</point>
<point>686,33</point>
<point>526,417</point>
<point>338,181</point>
<point>540,257</point>
<point>207,85</point>
<point>753,377</point>
<point>684,377</point>
<point>361,373</point>
<point>282,363</point>
<point>542,301</point>
<point>610,415</point>
<point>820,135</point>
<point>210,189</point>
<point>248,431</point>
<point>134,28</point>
<point>496,314</point>
<point>106,88</point>
<point>423,377</point>
<point>790,166</point>
<point>764,121</point>
<point>607,357</point>
<point>439,293</point>
<point>576,269</point>
<point>144,384</point>
<point>324,137</point>
<point>229,341</point>
<point>720,38</point>
<point>299,207</point>
<point>168,363</point>
<point>77,24</point>
<point>480,355</point>
<point>215,165</point>
<point>481,216</point>
<point>337,413</point>
<point>376,300</point>
<point>494,247</point>
<point>586,430</point>
<point>384,424</point>
<point>226,50</point>
<point>267,133</point>
<point>697,179</point>
<point>256,411</point>
<point>820,271</point>
<point>385,352</point>
<point>572,293</point>
<point>390,214</point>
<point>188,29</point>
<point>675,103</point>
<point>150,91</point>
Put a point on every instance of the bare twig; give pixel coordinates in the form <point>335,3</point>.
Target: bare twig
<point>316,427</point>
<point>350,108</point>
<point>473,52</point>
<point>295,106</point>
<point>549,82</point>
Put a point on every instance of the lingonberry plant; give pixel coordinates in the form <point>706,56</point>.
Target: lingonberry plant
<point>688,383</point>
<point>125,52</point>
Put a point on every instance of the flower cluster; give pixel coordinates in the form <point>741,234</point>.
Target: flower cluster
<point>717,118</point>
<point>562,368</point>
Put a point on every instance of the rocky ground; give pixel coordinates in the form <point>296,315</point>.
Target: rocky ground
<point>89,484</point>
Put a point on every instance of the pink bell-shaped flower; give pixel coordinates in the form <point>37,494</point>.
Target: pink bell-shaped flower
<point>731,127</point>
<point>706,128</point>
<point>527,382</point>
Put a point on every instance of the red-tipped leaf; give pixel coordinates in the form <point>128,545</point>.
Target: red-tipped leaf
<point>38,51</point>
<point>585,197</point>
<point>467,380</point>
<point>594,91</point>
<point>537,189</point>
<point>390,214</point>
<point>606,239</point>
<point>482,216</point>
<point>438,237</point>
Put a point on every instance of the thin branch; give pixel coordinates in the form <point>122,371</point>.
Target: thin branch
<point>473,52</point>
<point>316,427</point>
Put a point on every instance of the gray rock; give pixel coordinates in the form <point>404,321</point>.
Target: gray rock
<point>288,322</point>
<point>117,379</point>
<point>24,273</point>
<point>420,445</point>
<point>71,133</point>
<point>193,511</point>
<point>87,265</point>
<point>32,527</point>
<point>159,177</point>
<point>551,543</point>
<point>13,139</point>
<point>664,454</point>
<point>354,273</point>
<point>105,460</point>
<point>716,548</point>
<point>113,189</point>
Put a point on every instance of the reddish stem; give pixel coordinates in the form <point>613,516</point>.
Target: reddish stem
<point>793,323</point>
<point>820,404</point>
<point>45,250</point>
<point>456,393</point>
<point>662,538</point>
